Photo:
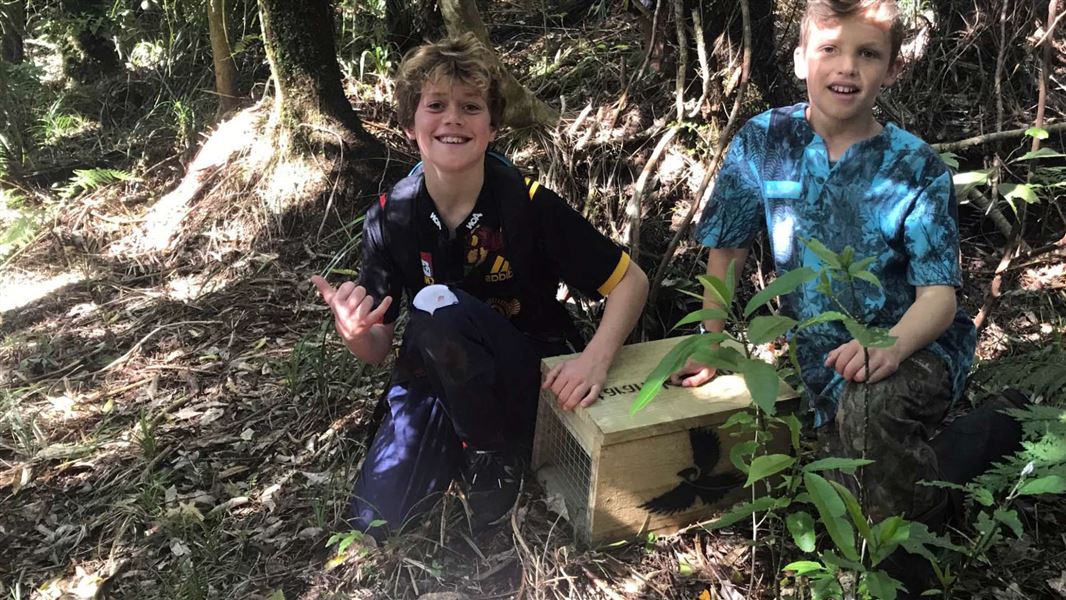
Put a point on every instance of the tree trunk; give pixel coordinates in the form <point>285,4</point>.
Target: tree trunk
<point>311,115</point>
<point>12,30</point>
<point>523,108</point>
<point>307,79</point>
<point>222,56</point>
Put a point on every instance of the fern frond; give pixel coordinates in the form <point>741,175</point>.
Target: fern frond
<point>1041,373</point>
<point>1044,432</point>
<point>85,180</point>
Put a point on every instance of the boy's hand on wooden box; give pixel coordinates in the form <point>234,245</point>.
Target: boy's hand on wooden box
<point>353,309</point>
<point>576,382</point>
<point>693,374</point>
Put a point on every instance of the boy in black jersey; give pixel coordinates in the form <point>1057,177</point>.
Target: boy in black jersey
<point>480,252</point>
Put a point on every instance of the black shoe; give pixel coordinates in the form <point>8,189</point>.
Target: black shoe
<point>491,481</point>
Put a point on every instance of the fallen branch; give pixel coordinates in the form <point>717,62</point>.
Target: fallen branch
<point>118,361</point>
<point>1026,259</point>
<point>989,138</point>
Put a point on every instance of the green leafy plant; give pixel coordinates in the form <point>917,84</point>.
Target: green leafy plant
<point>790,492</point>
<point>792,486</point>
<point>343,541</point>
<point>19,222</point>
<point>1044,180</point>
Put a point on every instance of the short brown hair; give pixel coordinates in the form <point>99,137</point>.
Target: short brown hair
<point>883,11</point>
<point>462,58</point>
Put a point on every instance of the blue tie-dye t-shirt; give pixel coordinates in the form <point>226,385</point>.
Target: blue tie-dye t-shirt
<point>890,197</point>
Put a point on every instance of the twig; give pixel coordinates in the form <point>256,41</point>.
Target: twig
<point>636,200</point>
<point>1041,250</point>
<point>129,353</point>
<point>723,138</point>
<point>1047,34</point>
<point>338,165</point>
<point>601,584</point>
<point>999,66</point>
<point>524,548</point>
<point>651,43</point>
<point>682,58</point>
<point>572,131</point>
<point>25,246</point>
<point>701,56</point>
<point>989,138</point>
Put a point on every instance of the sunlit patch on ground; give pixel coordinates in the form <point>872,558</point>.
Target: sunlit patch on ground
<point>25,287</point>
<point>187,288</point>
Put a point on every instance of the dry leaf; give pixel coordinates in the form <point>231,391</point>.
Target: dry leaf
<point>1059,585</point>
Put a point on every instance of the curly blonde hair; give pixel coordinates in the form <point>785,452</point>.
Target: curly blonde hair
<point>462,58</point>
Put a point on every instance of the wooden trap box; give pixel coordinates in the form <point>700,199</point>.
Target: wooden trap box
<point>622,475</point>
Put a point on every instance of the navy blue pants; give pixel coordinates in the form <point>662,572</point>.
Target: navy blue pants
<point>464,377</point>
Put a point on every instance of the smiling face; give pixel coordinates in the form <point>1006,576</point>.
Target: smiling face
<point>452,126</point>
<point>845,62</point>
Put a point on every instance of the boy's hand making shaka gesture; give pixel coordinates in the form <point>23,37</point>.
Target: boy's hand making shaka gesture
<point>355,317</point>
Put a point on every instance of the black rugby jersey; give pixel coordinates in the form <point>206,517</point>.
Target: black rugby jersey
<point>475,257</point>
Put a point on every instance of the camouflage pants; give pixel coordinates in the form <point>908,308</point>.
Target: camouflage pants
<point>893,420</point>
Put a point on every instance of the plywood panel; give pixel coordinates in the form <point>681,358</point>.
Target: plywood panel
<point>608,420</point>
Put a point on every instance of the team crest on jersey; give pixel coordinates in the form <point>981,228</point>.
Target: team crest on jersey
<point>482,242</point>
<point>427,267</point>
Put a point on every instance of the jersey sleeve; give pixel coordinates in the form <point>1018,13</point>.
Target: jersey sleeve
<point>587,260</point>
<point>379,274</point>
<point>734,212</point>
<point>931,235</point>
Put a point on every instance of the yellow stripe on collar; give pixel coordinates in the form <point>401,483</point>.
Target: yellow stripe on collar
<point>532,188</point>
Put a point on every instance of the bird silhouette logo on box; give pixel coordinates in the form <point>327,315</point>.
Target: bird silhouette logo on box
<point>697,481</point>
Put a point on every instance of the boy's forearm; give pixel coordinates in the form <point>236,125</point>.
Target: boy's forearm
<point>623,309</point>
<point>718,260</point>
<point>930,316</point>
<point>373,347</point>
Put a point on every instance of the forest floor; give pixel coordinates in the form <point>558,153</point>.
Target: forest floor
<point>189,426</point>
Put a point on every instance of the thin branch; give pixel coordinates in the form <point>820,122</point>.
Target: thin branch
<point>989,138</point>
<point>999,65</point>
<point>719,151</point>
<point>701,55</point>
<point>682,58</point>
<point>633,208</point>
<point>651,42</point>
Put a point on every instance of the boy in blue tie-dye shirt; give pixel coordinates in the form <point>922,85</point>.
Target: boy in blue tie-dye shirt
<point>826,169</point>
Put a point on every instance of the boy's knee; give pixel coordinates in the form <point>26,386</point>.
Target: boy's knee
<point>455,314</point>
